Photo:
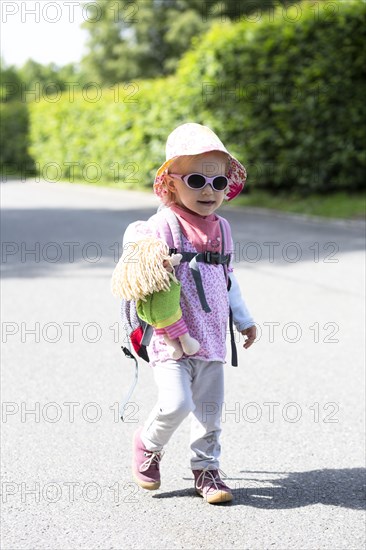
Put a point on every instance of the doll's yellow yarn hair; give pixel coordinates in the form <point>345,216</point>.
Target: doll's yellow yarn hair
<point>140,270</point>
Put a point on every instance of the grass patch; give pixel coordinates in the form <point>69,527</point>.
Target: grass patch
<point>336,205</point>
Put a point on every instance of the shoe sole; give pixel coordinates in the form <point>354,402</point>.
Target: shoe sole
<point>217,498</point>
<point>149,485</point>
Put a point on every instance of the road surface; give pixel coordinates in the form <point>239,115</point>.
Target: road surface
<point>293,420</point>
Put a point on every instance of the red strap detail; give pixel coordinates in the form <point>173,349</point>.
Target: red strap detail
<point>136,338</point>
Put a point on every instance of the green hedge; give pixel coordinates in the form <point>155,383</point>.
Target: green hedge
<point>115,138</point>
<point>14,157</point>
<point>286,96</point>
<point>289,94</point>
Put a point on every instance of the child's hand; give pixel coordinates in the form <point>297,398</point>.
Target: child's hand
<point>173,260</point>
<point>251,334</point>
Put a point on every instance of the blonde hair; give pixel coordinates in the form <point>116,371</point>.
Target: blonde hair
<point>142,272</point>
<point>181,165</point>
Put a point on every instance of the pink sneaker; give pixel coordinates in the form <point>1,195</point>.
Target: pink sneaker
<point>210,486</point>
<point>145,464</point>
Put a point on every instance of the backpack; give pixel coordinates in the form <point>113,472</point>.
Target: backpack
<point>138,332</point>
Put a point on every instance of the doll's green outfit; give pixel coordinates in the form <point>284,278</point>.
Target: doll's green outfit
<point>162,311</point>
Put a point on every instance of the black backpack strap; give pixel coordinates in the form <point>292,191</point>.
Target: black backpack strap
<point>196,274</point>
<point>207,257</point>
<point>148,332</point>
<point>234,352</point>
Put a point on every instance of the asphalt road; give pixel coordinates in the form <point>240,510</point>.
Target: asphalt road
<point>293,421</point>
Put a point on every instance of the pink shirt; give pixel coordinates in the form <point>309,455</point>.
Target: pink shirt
<point>209,329</point>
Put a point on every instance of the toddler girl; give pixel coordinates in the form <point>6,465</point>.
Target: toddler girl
<point>199,173</point>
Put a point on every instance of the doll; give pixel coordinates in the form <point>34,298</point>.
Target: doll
<point>146,275</point>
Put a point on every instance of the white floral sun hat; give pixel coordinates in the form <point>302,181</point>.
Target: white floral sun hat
<point>195,139</point>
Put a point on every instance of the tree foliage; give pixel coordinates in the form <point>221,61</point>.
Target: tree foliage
<point>9,82</point>
<point>286,98</point>
<point>33,81</point>
<point>145,39</point>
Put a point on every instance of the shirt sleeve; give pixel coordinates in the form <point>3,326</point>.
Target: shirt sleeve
<point>241,317</point>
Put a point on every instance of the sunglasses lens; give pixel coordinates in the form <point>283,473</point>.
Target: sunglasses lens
<point>220,183</point>
<point>196,181</point>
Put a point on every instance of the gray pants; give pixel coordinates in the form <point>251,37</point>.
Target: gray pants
<point>188,386</point>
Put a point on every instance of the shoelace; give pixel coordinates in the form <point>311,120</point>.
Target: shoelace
<point>153,457</point>
<point>213,480</point>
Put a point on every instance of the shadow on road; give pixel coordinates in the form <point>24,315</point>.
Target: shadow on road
<point>284,490</point>
<point>45,241</point>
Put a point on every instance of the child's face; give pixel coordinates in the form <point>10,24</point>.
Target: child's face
<point>201,201</point>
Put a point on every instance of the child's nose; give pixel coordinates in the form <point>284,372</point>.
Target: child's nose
<point>208,190</point>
